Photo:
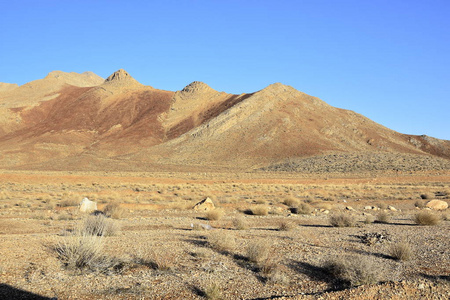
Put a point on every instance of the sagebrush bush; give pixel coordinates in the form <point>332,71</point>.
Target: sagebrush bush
<point>342,220</point>
<point>383,217</point>
<point>291,201</point>
<point>99,225</point>
<point>286,225</point>
<point>215,214</point>
<point>83,252</point>
<point>213,291</point>
<point>221,241</point>
<point>114,210</point>
<point>260,210</point>
<point>427,218</point>
<point>258,251</point>
<point>354,270</point>
<point>401,251</point>
<point>240,223</point>
<point>369,219</point>
<point>302,209</point>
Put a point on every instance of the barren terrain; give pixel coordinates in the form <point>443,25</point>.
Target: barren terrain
<point>311,201</point>
<point>162,252</point>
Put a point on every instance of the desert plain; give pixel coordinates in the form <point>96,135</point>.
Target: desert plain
<point>306,201</point>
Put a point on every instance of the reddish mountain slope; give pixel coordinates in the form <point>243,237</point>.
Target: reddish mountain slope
<point>70,121</point>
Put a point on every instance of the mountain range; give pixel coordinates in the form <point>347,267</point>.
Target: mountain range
<point>72,121</point>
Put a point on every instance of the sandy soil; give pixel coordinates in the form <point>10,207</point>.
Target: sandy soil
<point>37,210</point>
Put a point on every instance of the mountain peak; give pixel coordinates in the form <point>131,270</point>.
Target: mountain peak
<point>197,86</point>
<point>121,77</point>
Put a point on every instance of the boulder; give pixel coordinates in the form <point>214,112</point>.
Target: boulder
<point>437,205</point>
<point>87,205</point>
<point>204,205</point>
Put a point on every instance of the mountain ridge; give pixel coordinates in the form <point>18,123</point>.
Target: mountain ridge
<point>119,119</point>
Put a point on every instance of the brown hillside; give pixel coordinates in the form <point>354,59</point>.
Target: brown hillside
<point>71,121</point>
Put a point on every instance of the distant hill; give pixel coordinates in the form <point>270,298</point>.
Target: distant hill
<point>71,121</point>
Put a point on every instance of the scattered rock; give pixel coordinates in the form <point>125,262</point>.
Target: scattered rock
<point>87,205</point>
<point>204,205</point>
<point>370,238</point>
<point>392,208</point>
<point>201,226</point>
<point>367,207</point>
<point>349,208</point>
<point>437,204</point>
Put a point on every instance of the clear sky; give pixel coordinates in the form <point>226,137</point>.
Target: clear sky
<point>386,59</point>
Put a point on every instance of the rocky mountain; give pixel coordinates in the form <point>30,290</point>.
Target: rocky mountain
<point>70,121</point>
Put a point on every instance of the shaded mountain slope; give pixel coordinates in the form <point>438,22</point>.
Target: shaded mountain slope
<point>276,123</point>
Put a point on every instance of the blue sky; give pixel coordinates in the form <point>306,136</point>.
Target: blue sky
<point>388,60</point>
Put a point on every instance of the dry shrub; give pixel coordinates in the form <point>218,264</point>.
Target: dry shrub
<point>427,218</point>
<point>215,214</point>
<point>221,241</point>
<point>369,219</point>
<point>258,251</point>
<point>291,201</point>
<point>260,210</point>
<point>261,201</point>
<point>342,220</point>
<point>401,251</point>
<point>83,252</point>
<point>213,291</point>
<point>302,209</point>
<point>354,270</point>
<point>99,226</point>
<point>286,225</point>
<point>240,223</point>
<point>383,217</point>
<point>114,210</point>
<point>278,277</point>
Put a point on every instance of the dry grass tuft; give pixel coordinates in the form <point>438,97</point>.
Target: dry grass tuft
<point>215,214</point>
<point>99,226</point>
<point>83,252</point>
<point>114,210</point>
<point>369,219</point>
<point>286,225</point>
<point>221,241</point>
<point>240,223</point>
<point>258,251</point>
<point>354,271</point>
<point>69,202</point>
<point>383,217</point>
<point>213,291</point>
<point>260,210</point>
<point>291,202</point>
<point>342,220</point>
<point>302,209</point>
<point>427,218</point>
<point>401,251</point>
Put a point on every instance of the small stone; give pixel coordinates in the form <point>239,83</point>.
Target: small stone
<point>421,286</point>
<point>349,208</point>
<point>367,207</point>
<point>392,208</point>
<point>437,205</point>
